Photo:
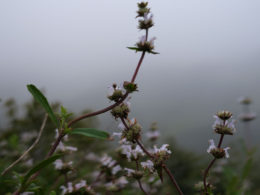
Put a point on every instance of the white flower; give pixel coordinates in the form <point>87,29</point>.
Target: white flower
<point>148,165</point>
<point>126,150</point>
<point>107,161</point>
<point>137,152</point>
<point>231,125</point>
<point>143,39</point>
<point>116,169</point>
<point>92,157</point>
<point>110,91</point>
<point>70,187</point>
<point>121,181</point>
<point>58,164</point>
<point>164,148</point>
<point>226,152</point>
<point>81,184</point>
<point>64,190</point>
<point>129,171</point>
<point>147,17</point>
<point>153,134</point>
<point>211,146</point>
<point>152,41</point>
<point>121,126</point>
<point>64,148</point>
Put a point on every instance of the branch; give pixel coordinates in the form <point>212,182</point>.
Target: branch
<point>30,148</point>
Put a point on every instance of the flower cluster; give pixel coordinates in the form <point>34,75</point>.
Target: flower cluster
<point>145,23</point>
<point>217,152</point>
<point>246,115</point>
<point>153,134</point>
<point>222,125</point>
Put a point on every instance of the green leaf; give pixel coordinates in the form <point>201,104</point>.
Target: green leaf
<point>134,48</point>
<point>39,166</point>
<point>37,94</point>
<point>90,132</point>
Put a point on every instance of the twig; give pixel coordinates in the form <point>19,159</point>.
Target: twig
<point>172,179</point>
<point>210,165</point>
<point>30,148</point>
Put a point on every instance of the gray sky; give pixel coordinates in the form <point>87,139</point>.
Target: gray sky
<point>209,55</point>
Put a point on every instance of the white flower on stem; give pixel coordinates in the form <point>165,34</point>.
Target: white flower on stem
<point>70,187</point>
<point>137,152</point>
<point>226,152</point>
<point>142,39</point>
<point>153,134</point>
<point>151,41</point>
<point>129,172</point>
<point>64,190</point>
<point>107,161</point>
<point>126,150</point>
<point>148,17</point>
<point>116,169</point>
<point>231,125</point>
<point>212,146</point>
<point>163,148</point>
<point>121,181</point>
<point>92,157</point>
<point>121,126</point>
<point>148,165</point>
<point>58,164</point>
<point>81,184</point>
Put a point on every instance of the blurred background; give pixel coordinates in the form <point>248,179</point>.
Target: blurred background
<point>209,57</point>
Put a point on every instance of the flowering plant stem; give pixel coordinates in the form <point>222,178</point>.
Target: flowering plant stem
<point>210,165</point>
<point>171,176</point>
<point>139,180</point>
<point>101,111</point>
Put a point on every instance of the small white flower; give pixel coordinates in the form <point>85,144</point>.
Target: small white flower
<point>71,148</point>
<point>143,39</point>
<point>126,150</point>
<point>226,152</point>
<point>92,157</point>
<point>211,145</point>
<point>164,148</point>
<point>147,17</point>
<point>58,164</point>
<point>116,169</point>
<point>152,41</point>
<point>121,181</point>
<point>137,152</point>
<point>148,165</point>
<point>107,161</point>
<point>81,184</point>
<point>231,125</point>
<point>153,134</point>
<point>121,126</point>
<point>110,91</point>
<point>70,187</point>
<point>129,171</point>
<point>64,190</point>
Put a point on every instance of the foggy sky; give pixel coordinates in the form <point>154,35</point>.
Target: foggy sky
<point>209,56</point>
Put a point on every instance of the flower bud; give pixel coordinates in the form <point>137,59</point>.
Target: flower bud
<point>130,87</point>
<point>138,174</point>
<point>133,133</point>
<point>120,111</point>
<point>218,152</point>
<point>224,115</point>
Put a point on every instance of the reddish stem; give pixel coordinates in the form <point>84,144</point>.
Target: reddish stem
<point>173,180</point>
<point>210,165</point>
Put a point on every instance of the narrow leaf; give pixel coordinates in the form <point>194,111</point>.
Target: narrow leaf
<point>90,132</point>
<point>37,94</point>
<point>39,166</point>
